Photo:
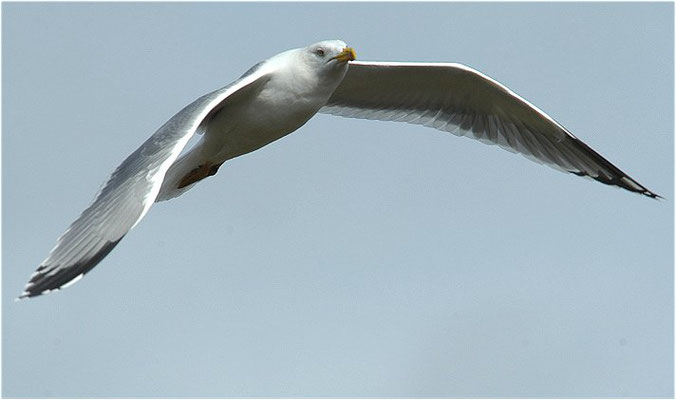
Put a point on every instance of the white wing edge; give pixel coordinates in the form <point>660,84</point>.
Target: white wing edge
<point>157,175</point>
<point>468,69</point>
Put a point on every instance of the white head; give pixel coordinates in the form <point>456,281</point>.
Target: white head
<point>311,72</point>
<point>323,64</point>
<point>328,56</point>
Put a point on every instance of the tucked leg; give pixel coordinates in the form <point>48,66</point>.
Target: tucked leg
<point>214,168</point>
<point>199,173</point>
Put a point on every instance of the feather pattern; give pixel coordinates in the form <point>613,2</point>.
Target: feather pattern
<point>459,100</point>
<point>127,194</point>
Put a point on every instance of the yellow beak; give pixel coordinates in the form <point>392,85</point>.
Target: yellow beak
<point>347,54</point>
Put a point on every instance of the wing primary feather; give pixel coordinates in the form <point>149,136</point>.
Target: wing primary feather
<point>130,190</point>
<point>42,282</point>
<point>464,102</point>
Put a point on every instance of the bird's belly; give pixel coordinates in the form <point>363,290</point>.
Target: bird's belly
<point>242,130</point>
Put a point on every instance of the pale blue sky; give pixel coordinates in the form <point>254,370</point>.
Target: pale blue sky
<point>352,258</point>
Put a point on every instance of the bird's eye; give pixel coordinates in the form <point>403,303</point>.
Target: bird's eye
<point>320,52</point>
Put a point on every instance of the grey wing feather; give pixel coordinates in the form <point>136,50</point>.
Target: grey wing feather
<point>125,197</point>
<point>462,101</point>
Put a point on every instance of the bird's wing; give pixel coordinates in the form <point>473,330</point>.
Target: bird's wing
<point>130,191</point>
<point>460,100</point>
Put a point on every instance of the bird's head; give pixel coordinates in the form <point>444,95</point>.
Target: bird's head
<point>328,56</point>
<point>313,71</point>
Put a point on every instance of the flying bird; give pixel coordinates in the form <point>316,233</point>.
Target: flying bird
<point>276,97</point>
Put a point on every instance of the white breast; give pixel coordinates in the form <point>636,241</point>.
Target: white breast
<point>288,100</point>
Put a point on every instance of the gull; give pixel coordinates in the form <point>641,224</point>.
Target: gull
<point>276,97</point>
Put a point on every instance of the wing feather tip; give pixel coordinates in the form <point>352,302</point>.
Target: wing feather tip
<point>22,296</point>
<point>624,182</point>
<point>653,195</point>
<point>38,286</point>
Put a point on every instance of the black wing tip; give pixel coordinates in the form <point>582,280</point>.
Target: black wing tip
<point>41,282</point>
<point>632,186</point>
<point>624,182</point>
<point>39,289</point>
<point>23,295</point>
<point>652,195</point>
<point>618,178</point>
<point>28,294</point>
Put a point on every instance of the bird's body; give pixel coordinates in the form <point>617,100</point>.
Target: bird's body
<point>286,95</point>
<point>278,96</point>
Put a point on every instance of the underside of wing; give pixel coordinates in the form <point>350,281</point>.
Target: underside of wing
<point>457,99</point>
<point>129,192</point>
